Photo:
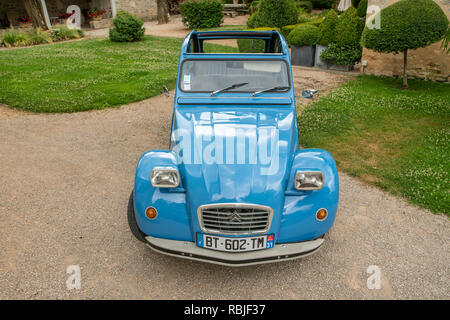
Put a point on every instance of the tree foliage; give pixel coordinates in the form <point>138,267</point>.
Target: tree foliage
<point>407,24</point>
<point>198,14</point>
<point>274,13</point>
<point>327,29</point>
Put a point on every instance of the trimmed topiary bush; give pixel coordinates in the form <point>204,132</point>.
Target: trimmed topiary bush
<point>327,29</point>
<point>303,35</point>
<point>197,14</point>
<point>362,8</point>
<point>345,49</point>
<point>349,28</point>
<point>287,29</point>
<point>127,28</point>
<point>407,24</point>
<point>274,13</point>
<point>255,21</point>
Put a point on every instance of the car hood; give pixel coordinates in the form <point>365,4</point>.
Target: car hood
<point>234,154</point>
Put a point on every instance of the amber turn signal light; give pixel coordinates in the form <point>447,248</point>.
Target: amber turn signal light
<point>151,213</point>
<point>321,214</point>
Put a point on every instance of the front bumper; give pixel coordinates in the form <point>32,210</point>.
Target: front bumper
<point>189,250</point>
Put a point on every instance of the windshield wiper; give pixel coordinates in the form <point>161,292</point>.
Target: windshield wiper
<point>233,86</point>
<point>278,88</point>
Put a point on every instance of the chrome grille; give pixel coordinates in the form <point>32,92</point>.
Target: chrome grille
<point>235,218</point>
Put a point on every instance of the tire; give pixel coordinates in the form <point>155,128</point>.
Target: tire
<point>132,223</point>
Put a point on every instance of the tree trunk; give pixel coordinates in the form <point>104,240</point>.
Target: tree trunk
<point>163,11</point>
<point>405,65</point>
<point>34,11</point>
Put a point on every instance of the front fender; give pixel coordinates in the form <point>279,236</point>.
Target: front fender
<point>298,220</point>
<point>172,221</point>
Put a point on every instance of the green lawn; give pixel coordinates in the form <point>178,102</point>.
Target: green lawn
<point>88,74</point>
<point>398,140</point>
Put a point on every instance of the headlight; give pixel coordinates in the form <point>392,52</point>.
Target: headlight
<point>164,177</point>
<point>308,180</point>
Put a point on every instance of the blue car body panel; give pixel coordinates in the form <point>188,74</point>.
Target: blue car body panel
<point>236,177</point>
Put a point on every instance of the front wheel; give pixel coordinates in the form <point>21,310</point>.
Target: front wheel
<point>132,223</point>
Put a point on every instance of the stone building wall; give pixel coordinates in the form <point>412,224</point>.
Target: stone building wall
<point>9,10</point>
<point>144,9</point>
<point>429,63</point>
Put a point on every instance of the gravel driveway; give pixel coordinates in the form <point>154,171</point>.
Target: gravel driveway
<point>64,186</point>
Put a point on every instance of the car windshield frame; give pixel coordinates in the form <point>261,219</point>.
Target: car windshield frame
<point>179,85</point>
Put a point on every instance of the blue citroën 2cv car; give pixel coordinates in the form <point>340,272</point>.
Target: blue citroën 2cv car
<point>234,188</point>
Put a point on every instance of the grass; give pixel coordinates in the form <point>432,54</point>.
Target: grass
<point>396,139</point>
<point>88,74</point>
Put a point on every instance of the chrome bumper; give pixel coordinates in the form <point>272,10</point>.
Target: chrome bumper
<point>189,250</point>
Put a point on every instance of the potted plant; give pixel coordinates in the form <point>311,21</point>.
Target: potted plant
<point>303,39</point>
<point>63,16</point>
<point>327,35</point>
<point>96,14</point>
<point>24,21</point>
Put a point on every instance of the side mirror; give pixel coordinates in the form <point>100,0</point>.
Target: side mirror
<point>309,93</point>
<point>165,91</point>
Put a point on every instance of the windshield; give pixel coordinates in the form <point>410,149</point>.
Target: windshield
<point>212,75</point>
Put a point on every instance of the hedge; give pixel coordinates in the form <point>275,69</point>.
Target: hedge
<point>198,14</point>
<point>303,35</point>
<point>274,13</point>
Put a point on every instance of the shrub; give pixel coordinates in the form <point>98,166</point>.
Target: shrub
<point>407,24</point>
<point>348,28</point>
<point>253,45</point>
<point>346,55</point>
<point>38,36</point>
<point>303,35</point>
<point>327,29</point>
<point>305,5</point>
<point>127,28</point>
<point>255,21</point>
<point>13,37</point>
<point>197,14</point>
<point>286,30</point>
<point>274,13</point>
<point>63,33</point>
<point>321,4</point>
<point>362,8</point>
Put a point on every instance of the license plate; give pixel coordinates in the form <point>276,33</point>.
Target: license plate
<point>234,244</point>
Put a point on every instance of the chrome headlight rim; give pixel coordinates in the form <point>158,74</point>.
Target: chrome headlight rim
<point>300,172</point>
<point>165,170</point>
